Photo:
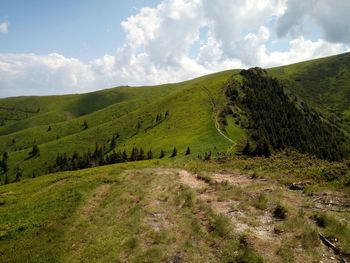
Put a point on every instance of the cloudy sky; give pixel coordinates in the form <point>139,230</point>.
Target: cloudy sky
<point>57,47</point>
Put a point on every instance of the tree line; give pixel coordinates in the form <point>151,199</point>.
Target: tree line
<point>278,122</point>
<point>100,157</point>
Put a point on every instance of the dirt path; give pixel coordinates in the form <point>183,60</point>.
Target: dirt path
<point>216,122</point>
<point>191,180</point>
<point>92,204</point>
<point>262,226</point>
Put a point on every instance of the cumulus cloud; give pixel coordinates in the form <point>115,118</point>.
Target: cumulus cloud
<point>4,27</point>
<point>49,74</point>
<point>167,44</point>
<point>332,17</point>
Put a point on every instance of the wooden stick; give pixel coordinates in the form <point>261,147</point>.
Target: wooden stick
<point>332,246</point>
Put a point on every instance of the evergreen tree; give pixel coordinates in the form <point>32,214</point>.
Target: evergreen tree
<point>49,128</point>
<point>35,151</point>
<point>134,154</point>
<point>85,125</point>
<point>113,142</point>
<point>162,154</point>
<point>141,155</point>
<point>247,150</point>
<point>266,149</point>
<point>174,153</point>
<point>188,151</point>
<point>6,180</point>
<point>113,158</point>
<point>2,123</point>
<point>207,156</point>
<point>18,173</point>
<point>4,165</point>
<point>149,155</point>
<point>124,156</point>
<point>263,148</point>
<point>283,121</point>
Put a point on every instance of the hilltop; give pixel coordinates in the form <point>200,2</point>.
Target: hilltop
<point>195,114</point>
<point>237,166</point>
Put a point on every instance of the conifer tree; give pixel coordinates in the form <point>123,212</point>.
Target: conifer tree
<point>247,149</point>
<point>18,173</point>
<point>49,128</point>
<point>124,156</point>
<point>113,142</point>
<point>174,153</point>
<point>4,164</point>
<point>149,155</point>
<point>162,154</point>
<point>141,155</point>
<point>35,151</point>
<point>85,125</point>
<point>188,151</point>
<point>134,154</point>
<point>6,181</point>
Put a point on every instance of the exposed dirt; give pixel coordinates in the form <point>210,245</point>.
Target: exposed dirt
<point>191,180</point>
<point>233,178</point>
<point>94,201</point>
<point>264,236</point>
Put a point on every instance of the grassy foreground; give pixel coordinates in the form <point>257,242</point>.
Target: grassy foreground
<point>154,212</point>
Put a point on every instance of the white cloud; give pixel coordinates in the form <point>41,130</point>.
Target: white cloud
<point>165,44</point>
<point>49,74</point>
<point>302,49</point>
<point>4,27</point>
<point>332,17</point>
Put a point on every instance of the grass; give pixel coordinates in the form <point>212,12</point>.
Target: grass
<point>139,212</point>
<point>262,202</point>
<point>333,228</point>
<point>131,112</point>
<point>131,212</point>
<point>322,82</point>
<point>128,111</point>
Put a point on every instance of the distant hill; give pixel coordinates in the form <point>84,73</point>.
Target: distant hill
<point>192,114</point>
<point>324,83</point>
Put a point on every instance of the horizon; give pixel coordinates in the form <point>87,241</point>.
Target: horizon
<point>166,83</point>
<point>128,44</point>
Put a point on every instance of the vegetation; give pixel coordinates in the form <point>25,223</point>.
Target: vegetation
<point>222,168</point>
<point>278,122</point>
<point>130,112</point>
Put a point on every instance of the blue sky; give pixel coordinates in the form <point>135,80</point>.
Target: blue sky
<point>59,47</point>
<point>85,29</point>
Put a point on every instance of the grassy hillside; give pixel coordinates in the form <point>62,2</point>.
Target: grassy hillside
<point>155,212</point>
<point>192,115</point>
<point>219,207</point>
<point>324,83</point>
<point>130,112</point>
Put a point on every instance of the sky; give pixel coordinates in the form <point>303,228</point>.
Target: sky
<point>59,47</point>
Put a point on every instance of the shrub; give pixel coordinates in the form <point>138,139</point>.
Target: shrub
<point>261,202</point>
<point>221,225</point>
<point>309,238</point>
<point>280,212</point>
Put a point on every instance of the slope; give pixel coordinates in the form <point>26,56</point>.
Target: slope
<point>324,83</point>
<point>150,212</point>
<point>189,123</point>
